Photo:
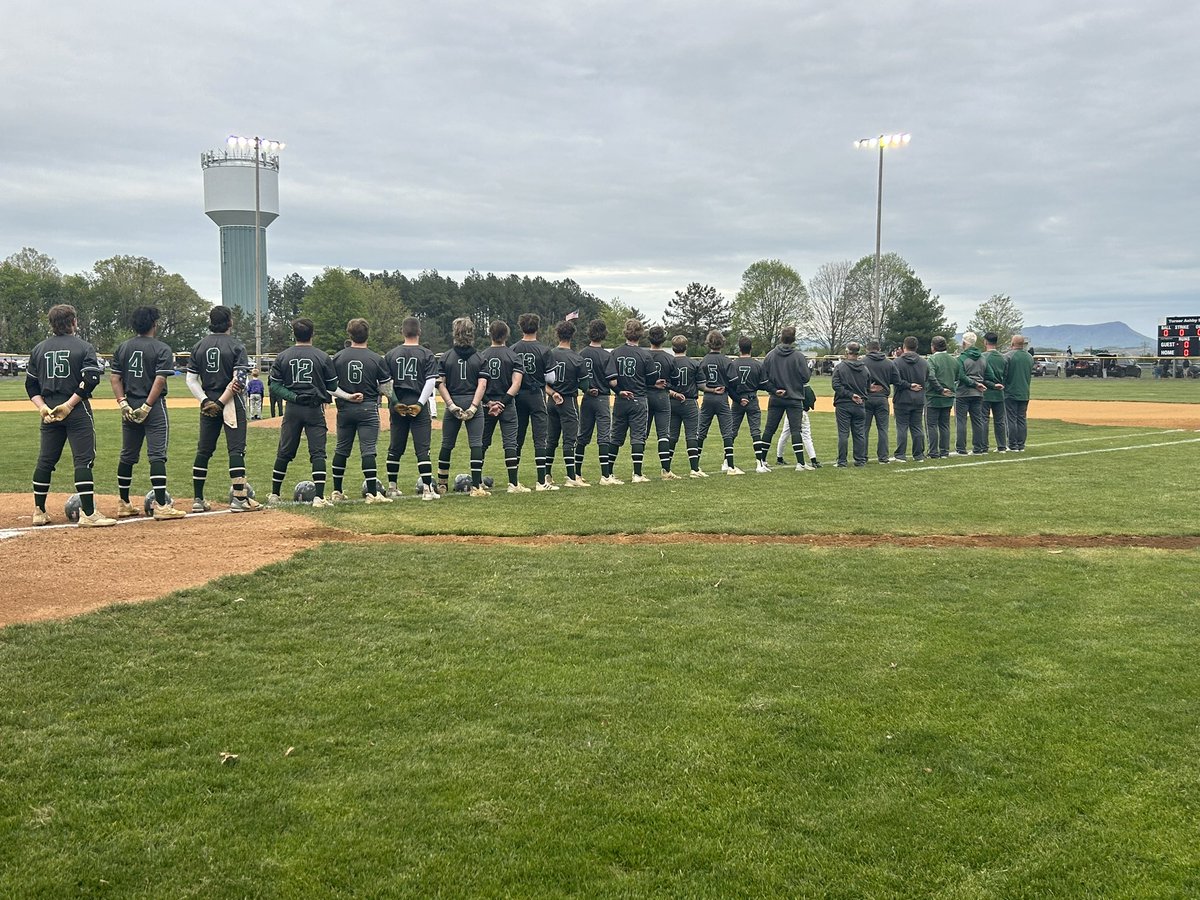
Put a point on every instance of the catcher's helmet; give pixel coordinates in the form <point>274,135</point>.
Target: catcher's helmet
<point>149,505</point>
<point>249,491</point>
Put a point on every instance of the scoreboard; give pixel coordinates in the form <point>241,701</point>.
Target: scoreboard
<point>1179,337</point>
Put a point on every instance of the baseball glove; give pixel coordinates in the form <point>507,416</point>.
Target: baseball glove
<point>212,408</point>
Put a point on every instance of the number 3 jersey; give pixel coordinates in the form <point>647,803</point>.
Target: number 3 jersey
<point>139,361</point>
<point>214,358</point>
<point>361,371</point>
<point>307,372</point>
<point>410,366</point>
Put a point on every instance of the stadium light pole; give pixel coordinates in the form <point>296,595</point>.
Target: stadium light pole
<point>259,145</point>
<point>882,142</point>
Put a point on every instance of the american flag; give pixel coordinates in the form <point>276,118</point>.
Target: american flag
<point>571,315</point>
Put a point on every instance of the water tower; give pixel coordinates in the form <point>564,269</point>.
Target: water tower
<point>241,195</point>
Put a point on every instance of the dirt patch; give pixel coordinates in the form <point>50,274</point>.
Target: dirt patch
<point>58,572</point>
<point>1100,412</point>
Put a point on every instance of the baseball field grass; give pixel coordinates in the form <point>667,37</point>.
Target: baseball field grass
<point>636,721</point>
<point>601,715</point>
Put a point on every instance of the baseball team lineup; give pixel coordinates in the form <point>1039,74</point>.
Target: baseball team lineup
<point>565,397</point>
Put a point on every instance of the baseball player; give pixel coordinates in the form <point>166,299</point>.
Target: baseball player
<point>216,376</point>
<point>743,394</point>
<point>562,409</point>
<point>537,367</point>
<point>658,397</point>
<point>360,370</point>
<point>140,369</point>
<point>414,377</point>
<point>594,410</point>
<point>462,385</point>
<point>630,413</point>
<point>503,373</point>
<point>785,371</point>
<point>61,374</point>
<point>305,377</point>
<point>684,410</point>
<point>718,373</point>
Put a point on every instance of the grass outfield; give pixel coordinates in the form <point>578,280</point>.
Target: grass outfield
<point>1146,474</point>
<point>647,721</point>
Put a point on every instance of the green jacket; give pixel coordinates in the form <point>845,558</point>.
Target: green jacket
<point>1017,374</point>
<point>944,368</point>
<point>993,367</point>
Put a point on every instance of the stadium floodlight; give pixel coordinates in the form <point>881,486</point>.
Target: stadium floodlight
<point>260,145</point>
<point>882,142</point>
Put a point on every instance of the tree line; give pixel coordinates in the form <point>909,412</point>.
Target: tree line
<point>831,310</point>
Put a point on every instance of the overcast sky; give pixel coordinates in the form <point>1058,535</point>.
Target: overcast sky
<point>632,146</point>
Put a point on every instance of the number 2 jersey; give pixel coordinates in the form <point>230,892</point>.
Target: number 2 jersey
<point>139,361</point>
<point>307,372</point>
<point>214,358</point>
<point>410,366</point>
<point>361,371</point>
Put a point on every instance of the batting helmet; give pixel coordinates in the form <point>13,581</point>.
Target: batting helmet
<point>72,508</point>
<point>305,492</point>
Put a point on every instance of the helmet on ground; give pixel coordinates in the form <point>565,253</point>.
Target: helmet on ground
<point>249,491</point>
<point>462,483</point>
<point>73,508</point>
<point>149,504</point>
<point>305,492</point>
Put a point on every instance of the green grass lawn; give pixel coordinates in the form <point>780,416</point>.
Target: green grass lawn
<point>1168,390</point>
<point>643,721</point>
<point>1147,490</point>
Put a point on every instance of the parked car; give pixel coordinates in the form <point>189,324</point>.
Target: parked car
<point>1083,367</point>
<point>1045,365</point>
<point>1123,368</point>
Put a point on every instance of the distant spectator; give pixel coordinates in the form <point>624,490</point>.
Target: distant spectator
<point>254,395</point>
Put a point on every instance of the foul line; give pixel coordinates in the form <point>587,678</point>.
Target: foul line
<point>132,520</point>
<point>1110,437</point>
<point>1000,462</point>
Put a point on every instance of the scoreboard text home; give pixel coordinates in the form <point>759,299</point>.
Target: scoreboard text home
<point>1180,336</point>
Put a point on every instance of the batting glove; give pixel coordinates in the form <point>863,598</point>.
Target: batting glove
<point>212,408</point>
<point>414,409</point>
<point>400,409</point>
<point>139,415</point>
<point>469,413</point>
<point>47,413</point>
<point>60,412</point>
<point>126,410</point>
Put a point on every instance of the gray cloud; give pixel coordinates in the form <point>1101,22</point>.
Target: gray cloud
<point>633,146</point>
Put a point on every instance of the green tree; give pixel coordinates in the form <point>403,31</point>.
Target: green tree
<point>30,284</point>
<point>838,316</point>
<point>917,313</point>
<point>892,272</point>
<point>183,313</point>
<point>284,302</point>
<point>334,298</point>
<point>999,314</point>
<point>615,313</point>
<point>696,311</point>
<point>772,296</point>
<point>385,312</point>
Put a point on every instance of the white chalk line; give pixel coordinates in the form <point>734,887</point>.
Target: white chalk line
<point>132,520</point>
<point>1021,458</point>
<point>1109,437</point>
